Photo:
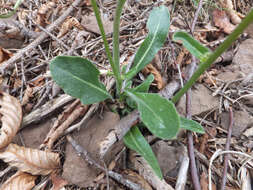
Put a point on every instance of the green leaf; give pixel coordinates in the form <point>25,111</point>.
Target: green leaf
<point>12,12</point>
<point>191,125</point>
<point>143,87</point>
<point>135,141</point>
<point>157,113</point>
<point>158,26</point>
<point>195,2</point>
<point>78,77</point>
<point>192,45</point>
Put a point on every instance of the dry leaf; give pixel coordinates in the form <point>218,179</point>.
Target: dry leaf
<point>33,161</point>
<point>228,6</point>
<point>11,112</point>
<point>221,20</point>
<point>204,182</point>
<point>158,78</point>
<point>204,139</point>
<point>136,178</point>
<point>43,14</point>
<point>58,182</point>
<point>19,181</point>
<point>27,95</point>
<point>90,24</point>
<point>4,54</point>
<point>68,24</point>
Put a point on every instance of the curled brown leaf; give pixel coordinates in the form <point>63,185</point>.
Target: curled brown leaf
<point>158,77</point>
<point>68,24</point>
<point>33,161</point>
<point>44,13</point>
<point>229,7</point>
<point>4,54</point>
<point>221,20</point>
<point>11,119</point>
<point>19,181</point>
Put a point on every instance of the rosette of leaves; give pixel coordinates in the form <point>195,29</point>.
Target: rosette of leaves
<point>79,78</point>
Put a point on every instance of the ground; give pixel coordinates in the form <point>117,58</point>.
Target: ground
<point>221,99</point>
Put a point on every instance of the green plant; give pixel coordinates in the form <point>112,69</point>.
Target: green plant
<point>17,4</point>
<point>78,77</point>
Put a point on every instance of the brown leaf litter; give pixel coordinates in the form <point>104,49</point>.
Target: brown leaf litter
<point>75,170</point>
<point>226,84</point>
<point>11,118</point>
<point>19,181</point>
<point>33,161</point>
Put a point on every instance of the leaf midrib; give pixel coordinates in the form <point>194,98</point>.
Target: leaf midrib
<point>151,44</point>
<point>89,84</point>
<point>140,100</point>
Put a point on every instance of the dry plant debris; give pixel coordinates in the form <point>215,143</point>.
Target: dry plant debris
<point>27,49</point>
<point>4,54</point>
<point>11,118</point>
<point>33,161</point>
<point>19,181</point>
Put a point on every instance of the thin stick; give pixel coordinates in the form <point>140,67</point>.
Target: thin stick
<point>194,171</point>
<point>196,16</point>
<point>84,155</point>
<point>182,174</point>
<point>226,159</point>
<point>9,63</point>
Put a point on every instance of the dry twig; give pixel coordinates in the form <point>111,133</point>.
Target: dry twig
<point>224,176</point>
<point>194,172</point>
<point>84,154</point>
<point>9,63</point>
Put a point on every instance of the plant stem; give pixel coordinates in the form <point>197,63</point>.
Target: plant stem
<point>115,68</point>
<point>116,52</point>
<point>12,12</point>
<point>222,48</point>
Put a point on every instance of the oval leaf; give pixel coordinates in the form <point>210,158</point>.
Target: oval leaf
<point>135,141</point>
<point>79,78</point>
<point>191,125</point>
<point>11,119</point>
<point>157,113</point>
<point>33,161</point>
<point>192,45</point>
<point>158,26</point>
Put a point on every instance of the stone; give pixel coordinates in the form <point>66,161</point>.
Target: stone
<point>34,135</point>
<point>202,101</point>
<point>169,157</point>
<point>244,56</point>
<point>242,121</point>
<point>76,170</point>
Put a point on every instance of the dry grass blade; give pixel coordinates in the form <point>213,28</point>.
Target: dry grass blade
<point>19,181</point>
<point>33,161</point>
<point>11,119</point>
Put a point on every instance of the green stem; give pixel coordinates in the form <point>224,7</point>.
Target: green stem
<point>12,12</point>
<point>222,48</point>
<point>116,52</point>
<point>115,68</point>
